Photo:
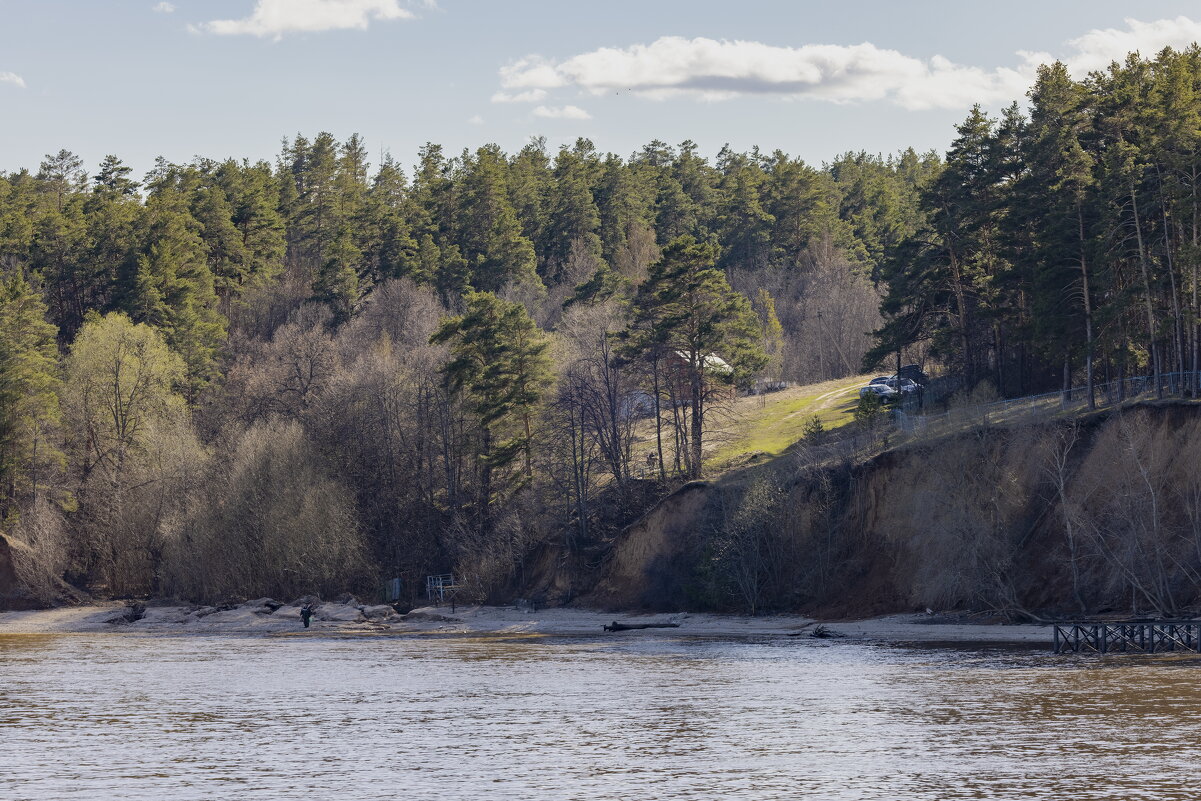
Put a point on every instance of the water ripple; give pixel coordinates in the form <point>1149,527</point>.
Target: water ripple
<point>160,719</point>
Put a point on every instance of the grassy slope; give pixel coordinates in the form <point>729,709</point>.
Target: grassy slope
<point>768,424</point>
<point>771,423</point>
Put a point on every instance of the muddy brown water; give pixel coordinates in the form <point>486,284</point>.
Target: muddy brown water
<point>164,718</point>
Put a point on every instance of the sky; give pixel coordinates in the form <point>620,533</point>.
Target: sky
<point>231,78</point>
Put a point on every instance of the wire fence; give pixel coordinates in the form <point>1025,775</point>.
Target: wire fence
<point>1052,404</point>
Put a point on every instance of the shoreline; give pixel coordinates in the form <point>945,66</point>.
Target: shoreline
<point>265,617</point>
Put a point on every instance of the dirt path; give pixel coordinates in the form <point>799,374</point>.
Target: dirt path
<point>828,400</point>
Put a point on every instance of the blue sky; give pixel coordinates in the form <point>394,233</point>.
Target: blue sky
<point>231,77</point>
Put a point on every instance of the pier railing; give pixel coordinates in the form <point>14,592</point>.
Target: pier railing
<point>1140,636</point>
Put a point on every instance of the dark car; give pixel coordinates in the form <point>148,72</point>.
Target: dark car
<point>914,374</point>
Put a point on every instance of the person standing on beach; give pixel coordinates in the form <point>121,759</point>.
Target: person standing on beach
<point>306,614</point>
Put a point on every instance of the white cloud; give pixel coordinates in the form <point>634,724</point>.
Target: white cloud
<point>531,72</point>
<point>13,78</point>
<point>717,70</point>
<point>163,7</point>
<point>528,96</point>
<point>1097,48</point>
<point>712,69</point>
<point>475,120</point>
<point>276,17</point>
<point>562,113</point>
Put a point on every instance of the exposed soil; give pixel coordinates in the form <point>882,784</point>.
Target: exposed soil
<point>898,517</point>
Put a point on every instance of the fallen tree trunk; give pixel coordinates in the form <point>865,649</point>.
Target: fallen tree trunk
<point>615,626</point>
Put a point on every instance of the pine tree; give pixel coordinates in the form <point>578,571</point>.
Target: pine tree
<point>111,216</point>
<point>172,288</point>
<point>314,223</point>
<point>338,283</point>
<point>943,282</point>
<point>625,201</point>
<point>1059,188</point>
<point>113,178</point>
<point>390,250</point>
<point>804,204</point>
<point>228,261</point>
<point>530,183</point>
<point>62,175</point>
<point>490,235</point>
<point>253,197</point>
<point>500,367</point>
<point>745,226</point>
<point>29,396</point>
<point>696,179</point>
<point>60,237</point>
<point>692,316</point>
<point>573,219</point>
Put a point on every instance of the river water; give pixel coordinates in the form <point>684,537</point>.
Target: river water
<point>103,717</point>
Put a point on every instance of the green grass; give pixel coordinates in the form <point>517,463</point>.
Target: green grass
<point>770,425</point>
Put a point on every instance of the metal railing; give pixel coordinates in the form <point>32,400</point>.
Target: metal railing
<point>437,588</point>
<point>1051,404</point>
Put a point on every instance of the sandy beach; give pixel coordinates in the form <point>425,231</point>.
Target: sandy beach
<point>265,617</point>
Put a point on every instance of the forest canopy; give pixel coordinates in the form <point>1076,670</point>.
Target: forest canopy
<point>230,378</point>
<point>1062,240</point>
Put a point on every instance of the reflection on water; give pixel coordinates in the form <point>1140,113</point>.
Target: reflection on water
<point>127,717</point>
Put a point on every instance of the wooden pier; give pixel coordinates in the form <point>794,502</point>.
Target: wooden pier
<point>1144,636</point>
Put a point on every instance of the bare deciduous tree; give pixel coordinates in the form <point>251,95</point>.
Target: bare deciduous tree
<point>284,527</point>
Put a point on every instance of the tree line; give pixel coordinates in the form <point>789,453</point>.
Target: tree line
<point>230,378</point>
<point>235,378</point>
<point>1060,244</point>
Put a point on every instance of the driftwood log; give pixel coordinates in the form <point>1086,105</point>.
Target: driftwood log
<point>615,626</point>
<point>821,632</point>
